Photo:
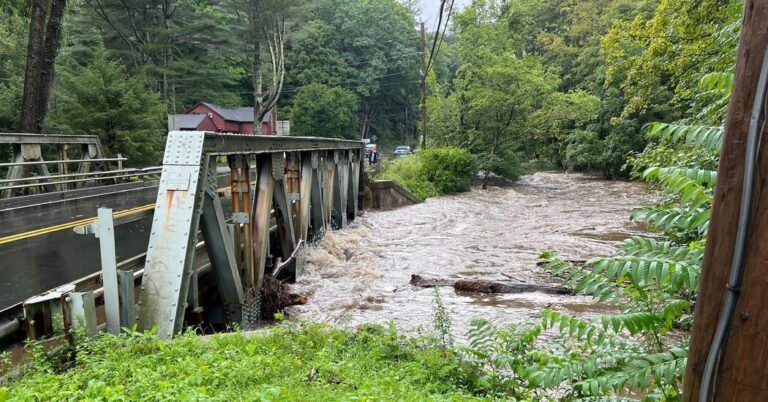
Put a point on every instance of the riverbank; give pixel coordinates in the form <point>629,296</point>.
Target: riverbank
<point>288,362</point>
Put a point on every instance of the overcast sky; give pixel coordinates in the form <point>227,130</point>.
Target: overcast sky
<point>430,8</point>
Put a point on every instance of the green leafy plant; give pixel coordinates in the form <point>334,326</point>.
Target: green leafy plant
<point>432,172</point>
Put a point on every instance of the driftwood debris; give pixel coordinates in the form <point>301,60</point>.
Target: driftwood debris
<point>277,296</point>
<point>486,286</point>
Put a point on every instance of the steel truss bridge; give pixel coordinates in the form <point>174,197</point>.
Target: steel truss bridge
<point>228,210</point>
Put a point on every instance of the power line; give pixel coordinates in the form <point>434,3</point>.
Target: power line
<point>437,35</point>
<point>436,44</point>
<point>447,20</point>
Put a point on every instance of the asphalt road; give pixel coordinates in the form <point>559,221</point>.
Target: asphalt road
<point>39,249</point>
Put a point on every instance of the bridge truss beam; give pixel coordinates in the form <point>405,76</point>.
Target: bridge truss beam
<point>307,185</point>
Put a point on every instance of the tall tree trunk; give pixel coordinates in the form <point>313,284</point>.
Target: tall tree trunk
<point>44,41</point>
<point>31,119</point>
<point>52,45</point>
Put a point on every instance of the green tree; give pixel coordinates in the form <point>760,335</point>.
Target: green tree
<point>323,111</point>
<point>100,98</point>
<point>368,47</point>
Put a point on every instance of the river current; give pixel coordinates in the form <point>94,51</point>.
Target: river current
<point>361,274</point>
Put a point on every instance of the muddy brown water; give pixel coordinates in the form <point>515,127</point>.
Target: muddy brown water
<point>361,274</point>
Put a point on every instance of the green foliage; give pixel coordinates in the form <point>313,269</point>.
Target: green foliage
<point>99,98</point>
<point>322,111</point>
<point>653,282</point>
<point>368,47</point>
<point>284,363</point>
<point>442,321</point>
<point>13,31</point>
<point>433,172</point>
<point>409,173</point>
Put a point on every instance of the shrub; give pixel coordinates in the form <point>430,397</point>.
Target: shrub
<point>433,172</point>
<point>450,169</point>
<point>409,173</point>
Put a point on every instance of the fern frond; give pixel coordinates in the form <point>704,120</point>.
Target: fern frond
<point>674,219</point>
<point>703,177</point>
<point>642,372</point>
<point>650,273</point>
<point>717,81</point>
<point>689,190</point>
<point>584,280</point>
<point>652,248</point>
<point>711,137</point>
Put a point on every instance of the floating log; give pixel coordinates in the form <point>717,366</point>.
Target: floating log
<point>486,286</point>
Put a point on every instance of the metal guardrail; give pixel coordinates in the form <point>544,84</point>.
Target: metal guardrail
<point>28,172</point>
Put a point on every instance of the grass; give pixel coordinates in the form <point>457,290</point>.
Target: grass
<point>289,362</point>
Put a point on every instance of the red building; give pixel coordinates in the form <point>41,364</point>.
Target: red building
<point>211,117</point>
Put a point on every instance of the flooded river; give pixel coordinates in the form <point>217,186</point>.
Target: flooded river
<point>361,274</point>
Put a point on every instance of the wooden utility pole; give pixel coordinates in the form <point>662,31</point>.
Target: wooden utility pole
<point>741,373</point>
<point>423,87</point>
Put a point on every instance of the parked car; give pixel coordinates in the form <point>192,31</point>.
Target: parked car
<point>402,150</point>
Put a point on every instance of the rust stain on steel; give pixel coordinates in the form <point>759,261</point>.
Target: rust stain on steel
<point>169,201</point>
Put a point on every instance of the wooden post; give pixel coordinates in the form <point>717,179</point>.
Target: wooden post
<point>741,374</point>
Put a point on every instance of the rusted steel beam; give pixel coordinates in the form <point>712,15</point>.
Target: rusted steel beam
<point>221,252</point>
<point>353,189</point>
<point>328,185</point>
<point>283,211</point>
<point>260,222</point>
<point>317,198</point>
<point>340,187</point>
<point>305,193</point>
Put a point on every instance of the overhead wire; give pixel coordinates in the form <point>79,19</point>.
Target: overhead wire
<point>447,20</point>
<point>437,36</point>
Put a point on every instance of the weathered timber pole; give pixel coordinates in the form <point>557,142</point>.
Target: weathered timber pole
<point>740,373</point>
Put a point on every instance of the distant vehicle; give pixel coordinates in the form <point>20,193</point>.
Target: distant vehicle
<point>402,150</point>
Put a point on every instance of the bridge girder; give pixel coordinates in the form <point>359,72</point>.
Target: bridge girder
<point>311,182</point>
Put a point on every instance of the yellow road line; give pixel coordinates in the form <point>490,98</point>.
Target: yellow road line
<point>70,225</point>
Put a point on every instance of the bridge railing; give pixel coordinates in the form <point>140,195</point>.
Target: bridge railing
<point>30,172</point>
<point>306,185</point>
